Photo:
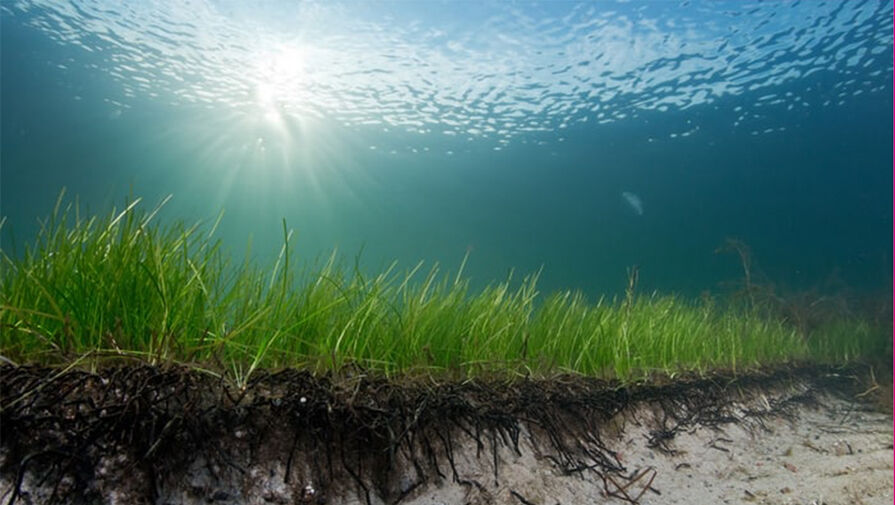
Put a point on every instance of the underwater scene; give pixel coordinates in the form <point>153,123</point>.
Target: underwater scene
<point>581,138</point>
<point>381,225</point>
<point>709,148</point>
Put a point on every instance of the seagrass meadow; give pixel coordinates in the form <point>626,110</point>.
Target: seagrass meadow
<point>123,287</point>
<point>453,252</point>
<point>142,363</point>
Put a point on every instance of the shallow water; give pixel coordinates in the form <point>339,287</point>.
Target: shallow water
<point>512,132</point>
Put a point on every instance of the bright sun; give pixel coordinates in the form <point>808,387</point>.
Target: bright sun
<point>280,75</point>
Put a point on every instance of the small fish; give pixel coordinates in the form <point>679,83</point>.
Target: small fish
<point>634,201</point>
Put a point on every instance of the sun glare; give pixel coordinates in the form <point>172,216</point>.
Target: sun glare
<point>280,75</point>
<point>277,139</point>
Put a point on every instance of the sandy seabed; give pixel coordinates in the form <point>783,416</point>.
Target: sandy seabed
<point>149,436</point>
<point>833,453</point>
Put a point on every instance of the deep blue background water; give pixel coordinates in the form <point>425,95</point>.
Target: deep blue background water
<point>509,130</point>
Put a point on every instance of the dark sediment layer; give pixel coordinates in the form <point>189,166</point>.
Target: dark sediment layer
<point>144,434</point>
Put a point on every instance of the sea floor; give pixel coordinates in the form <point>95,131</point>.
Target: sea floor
<point>832,453</point>
<point>141,434</point>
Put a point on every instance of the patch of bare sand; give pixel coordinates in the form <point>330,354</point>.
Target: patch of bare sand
<point>837,453</point>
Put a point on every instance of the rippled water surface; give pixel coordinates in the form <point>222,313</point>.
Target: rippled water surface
<point>581,137</point>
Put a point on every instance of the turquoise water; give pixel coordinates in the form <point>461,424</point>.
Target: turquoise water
<point>584,138</point>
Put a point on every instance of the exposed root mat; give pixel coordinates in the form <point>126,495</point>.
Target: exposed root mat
<point>143,434</point>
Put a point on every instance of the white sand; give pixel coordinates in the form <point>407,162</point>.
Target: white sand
<point>836,454</point>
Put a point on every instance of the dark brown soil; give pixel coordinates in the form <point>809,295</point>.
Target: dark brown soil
<point>74,436</point>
